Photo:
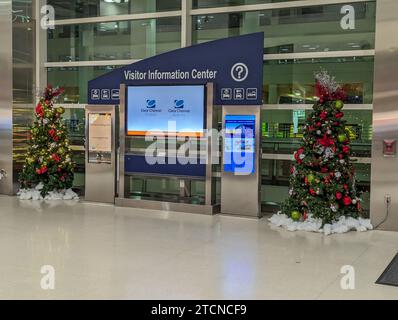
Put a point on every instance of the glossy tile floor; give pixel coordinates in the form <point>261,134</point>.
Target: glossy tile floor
<point>102,252</point>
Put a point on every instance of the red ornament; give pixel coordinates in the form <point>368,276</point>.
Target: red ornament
<point>318,124</point>
<point>51,132</point>
<point>56,157</point>
<point>341,156</point>
<point>305,216</point>
<point>347,201</point>
<point>345,187</point>
<point>306,180</point>
<point>42,170</point>
<point>56,138</point>
<point>339,195</point>
<point>297,155</point>
<point>346,149</point>
<point>323,115</point>
<point>312,192</point>
<point>39,110</point>
<point>339,115</point>
<point>292,170</point>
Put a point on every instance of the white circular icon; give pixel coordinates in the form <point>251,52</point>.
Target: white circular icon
<point>239,72</point>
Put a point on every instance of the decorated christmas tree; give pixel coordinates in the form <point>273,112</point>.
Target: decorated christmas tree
<point>322,183</point>
<point>48,163</point>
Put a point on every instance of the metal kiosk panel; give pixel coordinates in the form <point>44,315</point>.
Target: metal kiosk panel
<point>240,191</point>
<point>100,154</point>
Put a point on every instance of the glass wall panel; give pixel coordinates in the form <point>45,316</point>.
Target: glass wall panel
<point>304,29</point>
<point>292,81</point>
<point>23,52</point>
<point>75,80</point>
<point>119,40</point>
<point>160,188</point>
<point>94,8</point>
<point>275,183</point>
<point>23,47</point>
<point>199,4</point>
<point>282,130</point>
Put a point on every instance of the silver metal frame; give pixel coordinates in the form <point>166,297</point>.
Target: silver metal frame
<point>41,50</point>
<point>361,107</point>
<point>290,157</point>
<point>240,195</point>
<point>186,23</point>
<point>208,208</point>
<point>122,141</point>
<point>6,97</point>
<point>122,17</point>
<point>270,6</point>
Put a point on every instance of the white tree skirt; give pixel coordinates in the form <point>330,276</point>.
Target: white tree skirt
<point>343,225</point>
<point>34,194</point>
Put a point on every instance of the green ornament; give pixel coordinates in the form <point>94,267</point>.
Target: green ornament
<point>342,137</point>
<point>339,105</point>
<point>61,110</point>
<point>311,178</point>
<point>35,130</point>
<point>295,215</point>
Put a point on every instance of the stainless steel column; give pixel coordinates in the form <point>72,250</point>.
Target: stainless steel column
<point>6,96</point>
<point>385,117</point>
<point>101,175</point>
<point>240,195</point>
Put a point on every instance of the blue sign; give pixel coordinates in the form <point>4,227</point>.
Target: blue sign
<point>234,65</point>
<point>240,144</point>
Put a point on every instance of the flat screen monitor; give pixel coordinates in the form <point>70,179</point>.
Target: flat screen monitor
<point>240,144</point>
<point>165,110</point>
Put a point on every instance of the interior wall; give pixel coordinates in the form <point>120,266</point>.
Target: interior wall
<point>6,82</point>
<point>385,117</point>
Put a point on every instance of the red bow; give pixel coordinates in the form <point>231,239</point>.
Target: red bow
<point>326,142</point>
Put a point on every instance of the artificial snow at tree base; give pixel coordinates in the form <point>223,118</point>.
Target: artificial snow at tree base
<point>343,225</point>
<point>35,194</point>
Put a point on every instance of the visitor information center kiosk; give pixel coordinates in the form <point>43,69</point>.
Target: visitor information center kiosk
<point>192,116</point>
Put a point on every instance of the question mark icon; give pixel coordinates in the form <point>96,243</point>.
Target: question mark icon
<point>240,72</point>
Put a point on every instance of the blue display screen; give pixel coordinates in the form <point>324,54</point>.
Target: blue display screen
<point>166,109</point>
<point>239,144</point>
